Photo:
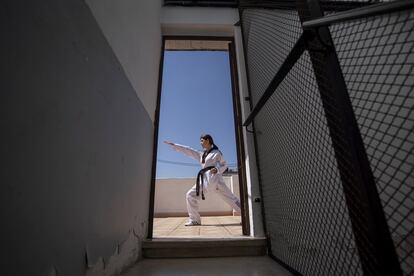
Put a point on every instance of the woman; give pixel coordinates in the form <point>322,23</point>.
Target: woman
<point>209,177</point>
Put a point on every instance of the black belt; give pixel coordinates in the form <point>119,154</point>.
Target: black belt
<point>200,181</point>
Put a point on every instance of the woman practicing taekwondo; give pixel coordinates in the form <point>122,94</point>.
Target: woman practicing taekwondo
<point>209,178</point>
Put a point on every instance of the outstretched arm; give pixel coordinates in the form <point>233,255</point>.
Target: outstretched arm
<point>185,150</point>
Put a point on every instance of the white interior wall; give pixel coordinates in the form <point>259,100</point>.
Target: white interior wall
<point>198,21</point>
<point>76,140</point>
<point>133,30</point>
<point>252,177</point>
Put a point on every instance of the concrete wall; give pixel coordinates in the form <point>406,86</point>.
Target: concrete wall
<point>252,177</point>
<point>133,30</point>
<point>170,197</point>
<point>76,141</point>
<point>198,21</point>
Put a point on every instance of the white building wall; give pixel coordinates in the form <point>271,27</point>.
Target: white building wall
<point>170,197</point>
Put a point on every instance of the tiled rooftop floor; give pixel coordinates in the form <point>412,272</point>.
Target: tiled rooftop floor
<point>221,226</point>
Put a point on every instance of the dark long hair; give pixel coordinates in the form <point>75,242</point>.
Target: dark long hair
<point>211,141</point>
<point>208,138</point>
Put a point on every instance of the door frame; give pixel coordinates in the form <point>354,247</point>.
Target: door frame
<point>237,125</point>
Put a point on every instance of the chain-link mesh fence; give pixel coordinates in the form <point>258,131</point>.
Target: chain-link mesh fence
<point>269,36</point>
<point>304,204</point>
<point>307,217</point>
<point>377,60</point>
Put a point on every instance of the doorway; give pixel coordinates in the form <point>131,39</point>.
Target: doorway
<point>198,93</point>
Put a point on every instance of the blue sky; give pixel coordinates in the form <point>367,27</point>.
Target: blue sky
<point>195,98</point>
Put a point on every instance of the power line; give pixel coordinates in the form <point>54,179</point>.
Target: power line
<point>178,163</point>
<point>188,164</point>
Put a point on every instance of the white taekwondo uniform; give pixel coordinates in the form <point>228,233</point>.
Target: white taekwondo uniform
<point>211,182</point>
